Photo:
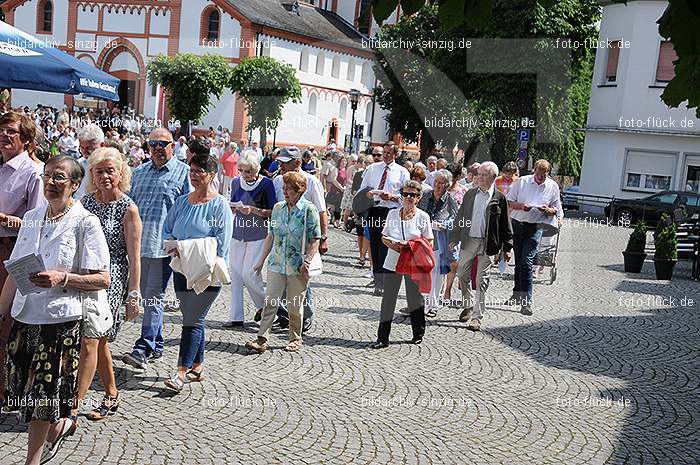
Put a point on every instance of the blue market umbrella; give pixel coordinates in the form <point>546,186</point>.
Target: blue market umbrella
<point>28,63</point>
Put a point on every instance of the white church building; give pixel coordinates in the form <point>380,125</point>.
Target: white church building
<point>636,145</point>
<point>322,39</point>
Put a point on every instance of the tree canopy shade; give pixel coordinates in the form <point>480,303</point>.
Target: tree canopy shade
<point>190,81</point>
<point>488,90</point>
<point>680,24</point>
<point>265,85</point>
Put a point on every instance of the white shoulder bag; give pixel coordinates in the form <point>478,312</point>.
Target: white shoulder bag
<point>316,265</point>
<point>97,316</point>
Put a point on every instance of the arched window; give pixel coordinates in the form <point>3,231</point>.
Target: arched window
<point>313,101</point>
<point>304,60</point>
<point>320,63</point>
<point>44,17</point>
<point>343,113</point>
<point>351,70</point>
<point>368,113</point>
<point>335,70</point>
<point>213,25</point>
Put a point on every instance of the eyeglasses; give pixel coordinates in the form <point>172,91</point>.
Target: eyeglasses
<point>411,195</point>
<point>56,178</point>
<point>9,131</point>
<point>198,172</point>
<point>159,143</point>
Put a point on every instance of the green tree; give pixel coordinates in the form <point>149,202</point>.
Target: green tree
<point>190,81</point>
<point>680,24</point>
<point>265,85</point>
<point>426,81</point>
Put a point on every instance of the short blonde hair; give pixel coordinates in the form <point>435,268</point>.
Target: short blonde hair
<point>542,164</point>
<point>295,180</point>
<point>251,159</point>
<point>113,155</point>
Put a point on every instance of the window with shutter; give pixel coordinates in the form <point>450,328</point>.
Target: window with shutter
<point>664,69</point>
<point>613,58</point>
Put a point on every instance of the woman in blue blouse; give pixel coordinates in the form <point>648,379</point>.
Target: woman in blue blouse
<point>288,265</point>
<point>257,194</point>
<point>199,214</point>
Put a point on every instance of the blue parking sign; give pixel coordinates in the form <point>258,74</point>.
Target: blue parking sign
<point>523,135</point>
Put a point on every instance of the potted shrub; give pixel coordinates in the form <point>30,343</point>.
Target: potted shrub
<point>666,248</point>
<point>634,253</point>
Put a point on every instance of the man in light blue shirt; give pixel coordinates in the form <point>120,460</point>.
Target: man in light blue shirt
<point>155,186</point>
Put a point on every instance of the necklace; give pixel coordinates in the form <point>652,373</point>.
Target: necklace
<point>407,215</point>
<point>60,215</point>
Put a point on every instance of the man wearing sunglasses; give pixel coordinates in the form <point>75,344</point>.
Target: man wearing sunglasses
<point>155,186</point>
<point>385,178</point>
<point>22,190</point>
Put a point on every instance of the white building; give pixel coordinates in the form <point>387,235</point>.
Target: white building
<point>636,145</point>
<point>320,38</point>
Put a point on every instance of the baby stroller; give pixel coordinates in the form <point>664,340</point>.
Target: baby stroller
<point>547,250</point>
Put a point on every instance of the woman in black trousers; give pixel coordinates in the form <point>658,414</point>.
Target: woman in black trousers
<point>402,225</point>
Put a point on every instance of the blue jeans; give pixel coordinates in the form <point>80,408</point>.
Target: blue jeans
<point>526,239</point>
<point>194,308</point>
<point>155,274</point>
<point>308,308</point>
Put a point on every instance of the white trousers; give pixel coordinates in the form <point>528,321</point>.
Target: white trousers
<point>244,256</point>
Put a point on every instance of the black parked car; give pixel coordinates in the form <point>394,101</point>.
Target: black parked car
<point>649,209</point>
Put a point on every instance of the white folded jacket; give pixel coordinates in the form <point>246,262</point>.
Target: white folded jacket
<point>199,263</point>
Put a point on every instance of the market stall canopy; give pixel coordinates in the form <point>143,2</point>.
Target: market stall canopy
<point>28,63</point>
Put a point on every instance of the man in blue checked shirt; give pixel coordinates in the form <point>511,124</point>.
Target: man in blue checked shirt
<point>154,188</point>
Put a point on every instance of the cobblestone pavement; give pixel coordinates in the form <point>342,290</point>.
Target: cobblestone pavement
<point>605,371</point>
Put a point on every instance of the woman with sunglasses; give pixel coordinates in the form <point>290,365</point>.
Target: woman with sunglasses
<point>257,193</point>
<point>402,225</point>
<point>199,214</point>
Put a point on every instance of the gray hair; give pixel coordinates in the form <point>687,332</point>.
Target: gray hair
<point>432,158</point>
<point>445,174</point>
<point>491,167</point>
<point>510,166</point>
<point>250,158</point>
<point>91,132</point>
<point>411,184</point>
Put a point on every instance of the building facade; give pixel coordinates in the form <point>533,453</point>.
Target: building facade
<point>322,39</point>
<point>635,144</point>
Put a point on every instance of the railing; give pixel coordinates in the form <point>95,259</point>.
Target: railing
<point>599,202</point>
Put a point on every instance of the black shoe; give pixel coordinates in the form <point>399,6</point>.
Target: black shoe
<point>512,301</point>
<point>258,315</point>
<point>233,324</point>
<point>377,292</point>
<point>417,340</point>
<point>379,345</point>
<point>526,310</point>
<point>154,356</point>
<point>283,323</point>
<point>307,327</point>
<point>370,284</point>
<point>135,360</point>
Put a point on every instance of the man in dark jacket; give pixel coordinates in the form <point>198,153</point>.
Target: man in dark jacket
<point>483,228</point>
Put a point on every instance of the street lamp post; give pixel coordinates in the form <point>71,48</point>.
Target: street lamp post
<point>354,96</point>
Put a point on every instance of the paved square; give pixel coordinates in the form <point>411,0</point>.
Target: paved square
<point>606,370</point>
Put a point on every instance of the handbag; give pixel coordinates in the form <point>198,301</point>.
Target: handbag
<point>316,265</point>
<point>97,316</point>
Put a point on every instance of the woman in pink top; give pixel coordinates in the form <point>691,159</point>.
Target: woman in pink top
<point>229,164</point>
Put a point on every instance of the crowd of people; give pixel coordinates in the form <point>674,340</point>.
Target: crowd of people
<point>114,216</point>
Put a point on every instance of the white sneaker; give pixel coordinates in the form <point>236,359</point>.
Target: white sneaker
<point>50,450</point>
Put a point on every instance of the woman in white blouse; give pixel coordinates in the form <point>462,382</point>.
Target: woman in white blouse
<point>44,345</point>
<point>402,225</point>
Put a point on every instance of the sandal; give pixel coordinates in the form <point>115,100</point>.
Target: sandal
<point>194,376</point>
<point>360,263</point>
<point>108,407</point>
<point>50,450</point>
<point>175,383</point>
<point>432,313</point>
<point>293,346</point>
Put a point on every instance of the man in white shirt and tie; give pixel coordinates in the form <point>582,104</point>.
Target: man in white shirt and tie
<point>534,200</point>
<point>385,178</point>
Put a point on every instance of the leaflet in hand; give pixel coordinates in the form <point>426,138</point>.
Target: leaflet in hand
<point>376,192</point>
<point>21,268</point>
<point>237,204</point>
